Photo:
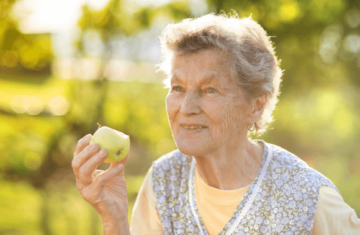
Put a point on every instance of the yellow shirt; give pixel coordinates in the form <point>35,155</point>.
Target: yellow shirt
<point>332,217</point>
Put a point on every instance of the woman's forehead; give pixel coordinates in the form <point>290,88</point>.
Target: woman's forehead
<point>205,76</point>
<point>208,56</point>
<point>208,65</point>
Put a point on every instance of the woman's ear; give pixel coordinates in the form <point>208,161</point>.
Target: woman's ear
<point>258,106</point>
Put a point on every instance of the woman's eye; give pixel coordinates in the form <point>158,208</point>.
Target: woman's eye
<point>210,90</point>
<point>177,88</point>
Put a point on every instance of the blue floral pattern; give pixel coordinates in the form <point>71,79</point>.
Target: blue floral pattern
<point>281,200</point>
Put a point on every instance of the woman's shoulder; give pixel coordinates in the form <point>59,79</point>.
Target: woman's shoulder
<point>281,157</point>
<point>287,164</point>
<point>284,158</point>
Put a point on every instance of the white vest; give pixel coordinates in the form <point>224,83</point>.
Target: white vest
<point>281,200</point>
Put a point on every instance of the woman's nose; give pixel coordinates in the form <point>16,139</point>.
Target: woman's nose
<point>190,104</point>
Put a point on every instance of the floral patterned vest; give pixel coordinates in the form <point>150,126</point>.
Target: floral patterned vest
<point>281,200</point>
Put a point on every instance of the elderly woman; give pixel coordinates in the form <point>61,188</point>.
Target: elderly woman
<point>223,79</point>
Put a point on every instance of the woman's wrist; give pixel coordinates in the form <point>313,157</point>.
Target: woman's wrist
<point>115,226</point>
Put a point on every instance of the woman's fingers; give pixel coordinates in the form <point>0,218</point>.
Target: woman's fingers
<point>105,177</point>
<point>83,156</point>
<point>122,161</point>
<point>82,143</point>
<point>96,173</point>
<point>88,168</point>
<point>115,169</point>
<point>86,161</point>
<point>80,186</point>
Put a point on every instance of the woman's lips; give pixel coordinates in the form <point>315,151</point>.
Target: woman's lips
<point>192,127</point>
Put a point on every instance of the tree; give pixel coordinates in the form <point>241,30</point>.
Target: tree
<point>19,51</point>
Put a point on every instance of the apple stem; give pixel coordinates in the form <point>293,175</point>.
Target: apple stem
<point>98,125</point>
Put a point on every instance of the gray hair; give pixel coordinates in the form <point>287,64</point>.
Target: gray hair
<point>254,66</point>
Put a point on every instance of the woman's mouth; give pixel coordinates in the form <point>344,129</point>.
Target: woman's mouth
<point>193,127</point>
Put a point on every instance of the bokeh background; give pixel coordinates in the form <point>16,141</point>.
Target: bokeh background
<point>66,65</point>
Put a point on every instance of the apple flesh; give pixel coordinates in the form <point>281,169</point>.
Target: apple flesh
<point>115,142</point>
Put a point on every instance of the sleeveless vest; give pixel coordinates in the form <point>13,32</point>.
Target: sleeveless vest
<point>281,200</point>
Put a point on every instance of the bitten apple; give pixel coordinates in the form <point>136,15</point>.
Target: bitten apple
<point>115,142</point>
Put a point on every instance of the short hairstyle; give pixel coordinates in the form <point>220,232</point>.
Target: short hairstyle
<point>254,65</point>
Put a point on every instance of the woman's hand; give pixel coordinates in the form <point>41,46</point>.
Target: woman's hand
<point>104,190</point>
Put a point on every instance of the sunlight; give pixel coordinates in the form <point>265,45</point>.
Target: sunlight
<point>42,16</point>
<point>34,105</point>
<point>17,104</point>
<point>289,11</point>
<point>39,16</point>
<point>59,105</point>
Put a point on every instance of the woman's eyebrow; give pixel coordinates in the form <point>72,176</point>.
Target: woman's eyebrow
<point>175,78</point>
<point>213,78</point>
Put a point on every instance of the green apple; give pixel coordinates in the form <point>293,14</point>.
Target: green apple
<point>115,142</point>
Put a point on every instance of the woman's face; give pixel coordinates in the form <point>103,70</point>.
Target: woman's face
<point>207,110</point>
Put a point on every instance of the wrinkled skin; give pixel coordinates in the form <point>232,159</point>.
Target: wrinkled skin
<point>203,93</point>
<point>105,190</point>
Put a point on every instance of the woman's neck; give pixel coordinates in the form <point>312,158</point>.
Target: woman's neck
<point>231,168</point>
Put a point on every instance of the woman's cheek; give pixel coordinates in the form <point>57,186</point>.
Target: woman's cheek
<point>225,123</point>
<point>231,116</point>
<point>172,107</point>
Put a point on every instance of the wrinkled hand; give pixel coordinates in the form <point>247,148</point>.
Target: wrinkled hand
<point>104,190</point>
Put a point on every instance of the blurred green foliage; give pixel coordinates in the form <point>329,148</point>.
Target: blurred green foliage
<point>18,51</point>
<point>317,117</point>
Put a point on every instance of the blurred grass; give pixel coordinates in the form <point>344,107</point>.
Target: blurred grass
<point>25,85</point>
<point>67,212</point>
<point>20,207</point>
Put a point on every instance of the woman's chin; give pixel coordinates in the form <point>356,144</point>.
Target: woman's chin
<point>191,149</point>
